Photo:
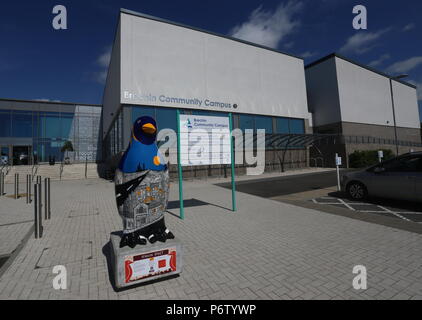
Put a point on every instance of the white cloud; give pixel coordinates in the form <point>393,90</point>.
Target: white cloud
<point>308,54</point>
<point>419,88</point>
<point>362,42</point>
<point>104,59</point>
<point>405,65</point>
<point>103,62</point>
<point>268,28</point>
<point>289,45</point>
<point>408,27</point>
<point>380,60</point>
<point>100,76</point>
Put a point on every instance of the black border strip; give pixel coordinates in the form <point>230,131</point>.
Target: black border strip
<point>51,102</point>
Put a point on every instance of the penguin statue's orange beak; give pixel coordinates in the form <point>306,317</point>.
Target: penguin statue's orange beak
<point>149,128</point>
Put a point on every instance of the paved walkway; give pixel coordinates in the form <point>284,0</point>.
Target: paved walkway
<point>266,250</point>
<point>16,220</point>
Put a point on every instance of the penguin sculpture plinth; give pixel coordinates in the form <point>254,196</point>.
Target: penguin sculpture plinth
<point>146,249</point>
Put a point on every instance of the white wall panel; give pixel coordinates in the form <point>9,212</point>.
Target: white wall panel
<point>406,106</point>
<point>163,59</point>
<point>365,96</point>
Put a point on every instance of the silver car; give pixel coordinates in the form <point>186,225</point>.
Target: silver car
<point>397,178</point>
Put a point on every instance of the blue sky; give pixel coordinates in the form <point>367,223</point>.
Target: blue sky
<point>38,62</point>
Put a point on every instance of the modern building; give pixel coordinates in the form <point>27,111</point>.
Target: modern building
<point>159,66</point>
<point>371,110</point>
<point>35,131</point>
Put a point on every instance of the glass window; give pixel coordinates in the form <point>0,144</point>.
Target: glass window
<point>246,122</point>
<point>5,121</point>
<point>262,122</point>
<point>50,125</point>
<point>282,125</point>
<point>408,164</point>
<point>21,124</point>
<point>66,125</point>
<point>296,126</point>
<point>166,118</point>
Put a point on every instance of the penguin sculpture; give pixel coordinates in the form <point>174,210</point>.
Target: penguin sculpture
<point>142,187</point>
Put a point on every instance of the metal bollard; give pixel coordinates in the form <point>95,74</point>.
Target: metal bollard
<point>37,228</point>
<point>49,199</point>
<point>28,183</point>
<point>40,208</point>
<point>16,185</point>
<point>46,198</point>
<point>1,184</point>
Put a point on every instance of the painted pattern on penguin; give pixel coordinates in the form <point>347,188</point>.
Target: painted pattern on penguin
<point>142,187</point>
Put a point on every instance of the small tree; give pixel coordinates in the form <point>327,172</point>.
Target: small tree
<point>67,146</point>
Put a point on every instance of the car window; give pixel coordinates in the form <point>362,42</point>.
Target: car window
<point>409,164</point>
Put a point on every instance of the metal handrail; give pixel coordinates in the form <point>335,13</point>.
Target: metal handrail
<point>61,169</point>
<point>34,170</point>
<point>5,167</point>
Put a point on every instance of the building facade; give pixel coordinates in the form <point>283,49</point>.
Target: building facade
<point>369,109</point>
<point>35,131</point>
<point>158,67</point>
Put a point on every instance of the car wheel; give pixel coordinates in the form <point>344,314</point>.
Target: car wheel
<point>356,190</point>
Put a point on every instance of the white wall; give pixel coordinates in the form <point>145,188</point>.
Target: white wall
<point>111,98</point>
<point>323,99</point>
<point>365,96</point>
<point>406,106</point>
<point>164,59</point>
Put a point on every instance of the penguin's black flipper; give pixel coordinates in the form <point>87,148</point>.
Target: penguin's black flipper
<point>161,236</point>
<point>128,239</point>
<point>169,234</point>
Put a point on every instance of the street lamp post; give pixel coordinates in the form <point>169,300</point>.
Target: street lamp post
<point>394,111</point>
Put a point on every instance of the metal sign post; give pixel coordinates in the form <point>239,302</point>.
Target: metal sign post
<point>380,155</point>
<point>234,208</point>
<point>215,143</point>
<point>179,168</point>
<point>338,163</point>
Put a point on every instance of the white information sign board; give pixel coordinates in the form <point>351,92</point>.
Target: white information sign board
<point>204,140</point>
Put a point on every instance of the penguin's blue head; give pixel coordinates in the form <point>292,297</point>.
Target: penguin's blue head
<point>145,130</point>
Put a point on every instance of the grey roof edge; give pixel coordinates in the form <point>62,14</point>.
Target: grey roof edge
<point>146,16</point>
<point>332,55</point>
<point>51,102</point>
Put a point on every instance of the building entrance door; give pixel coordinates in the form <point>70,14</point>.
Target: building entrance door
<point>21,155</point>
<point>4,155</point>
